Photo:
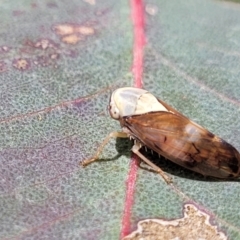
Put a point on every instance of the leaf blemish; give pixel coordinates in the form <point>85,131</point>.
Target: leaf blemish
<point>21,64</point>
<point>72,33</point>
<point>194,223</point>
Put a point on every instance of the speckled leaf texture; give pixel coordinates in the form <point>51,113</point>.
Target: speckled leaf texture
<point>59,63</point>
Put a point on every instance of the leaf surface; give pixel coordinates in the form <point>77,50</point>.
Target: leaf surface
<point>59,63</point>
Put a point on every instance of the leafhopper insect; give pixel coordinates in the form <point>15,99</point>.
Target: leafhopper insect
<point>154,124</point>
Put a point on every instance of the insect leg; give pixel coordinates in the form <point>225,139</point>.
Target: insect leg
<point>136,147</point>
<point>100,148</point>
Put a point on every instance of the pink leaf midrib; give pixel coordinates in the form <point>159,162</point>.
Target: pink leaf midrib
<point>137,14</point>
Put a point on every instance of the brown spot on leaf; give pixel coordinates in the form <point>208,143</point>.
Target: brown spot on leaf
<point>195,224</point>
<point>48,55</point>
<point>72,33</point>
<point>21,64</point>
<point>84,30</point>
<point>64,29</point>
<point>71,39</point>
<point>42,44</point>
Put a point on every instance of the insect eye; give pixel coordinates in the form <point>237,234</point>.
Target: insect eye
<point>113,112</point>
